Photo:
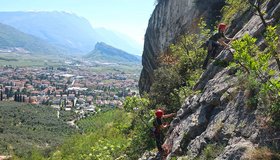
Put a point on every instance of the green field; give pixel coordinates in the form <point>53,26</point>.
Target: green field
<point>129,68</point>
<point>25,128</point>
<point>26,60</point>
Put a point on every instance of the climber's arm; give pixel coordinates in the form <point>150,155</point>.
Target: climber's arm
<point>223,43</point>
<point>169,115</point>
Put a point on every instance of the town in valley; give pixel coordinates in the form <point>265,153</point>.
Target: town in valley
<point>71,86</point>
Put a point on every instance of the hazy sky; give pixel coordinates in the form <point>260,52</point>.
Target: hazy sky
<point>126,16</point>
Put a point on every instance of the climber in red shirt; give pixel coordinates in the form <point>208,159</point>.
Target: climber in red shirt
<point>214,42</point>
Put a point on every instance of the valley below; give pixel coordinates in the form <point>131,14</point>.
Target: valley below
<point>41,95</point>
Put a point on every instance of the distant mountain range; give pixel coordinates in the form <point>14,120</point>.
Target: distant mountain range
<point>12,40</point>
<point>105,53</point>
<point>67,31</point>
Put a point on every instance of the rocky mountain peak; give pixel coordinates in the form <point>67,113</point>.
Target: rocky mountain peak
<point>105,53</point>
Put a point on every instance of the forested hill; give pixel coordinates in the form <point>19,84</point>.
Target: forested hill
<point>14,40</point>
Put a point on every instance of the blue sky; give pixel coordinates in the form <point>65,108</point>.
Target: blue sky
<point>126,16</point>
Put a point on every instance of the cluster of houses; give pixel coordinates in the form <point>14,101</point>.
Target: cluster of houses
<point>65,88</point>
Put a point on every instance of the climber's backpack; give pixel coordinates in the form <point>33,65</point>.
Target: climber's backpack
<point>153,127</point>
<point>156,127</point>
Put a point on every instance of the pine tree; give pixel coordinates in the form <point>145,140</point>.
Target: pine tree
<point>15,97</point>
<point>1,96</point>
<point>20,98</point>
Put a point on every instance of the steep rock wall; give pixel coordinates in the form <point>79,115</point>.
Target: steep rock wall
<point>170,19</point>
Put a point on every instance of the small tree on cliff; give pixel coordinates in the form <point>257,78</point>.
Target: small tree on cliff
<point>180,67</point>
<point>273,43</point>
<point>235,8</point>
<point>257,75</point>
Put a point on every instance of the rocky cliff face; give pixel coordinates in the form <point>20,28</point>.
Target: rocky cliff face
<point>219,115</point>
<point>170,19</point>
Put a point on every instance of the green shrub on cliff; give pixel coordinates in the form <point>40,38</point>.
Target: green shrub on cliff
<point>233,8</point>
<point>258,74</point>
<point>180,68</point>
<point>167,79</point>
<point>141,139</point>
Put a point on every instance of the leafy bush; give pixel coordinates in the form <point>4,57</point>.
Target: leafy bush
<point>211,151</point>
<point>257,71</point>
<point>166,80</point>
<point>180,69</point>
<point>140,126</point>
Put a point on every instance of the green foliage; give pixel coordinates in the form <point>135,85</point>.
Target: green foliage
<point>211,151</point>
<point>233,8</point>
<point>189,51</point>
<point>26,129</point>
<point>140,127</point>
<point>246,53</point>
<point>138,107</point>
<point>136,104</point>
<point>166,80</point>
<point>17,59</point>
<point>67,115</point>
<point>180,69</point>
<point>101,121</point>
<point>257,74</point>
<point>105,137</point>
<point>272,40</point>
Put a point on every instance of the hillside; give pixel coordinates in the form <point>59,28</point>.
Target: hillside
<point>25,128</point>
<point>105,137</point>
<point>65,30</point>
<point>107,54</point>
<point>14,40</point>
<point>229,110</point>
